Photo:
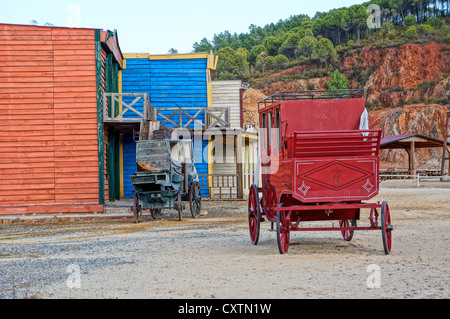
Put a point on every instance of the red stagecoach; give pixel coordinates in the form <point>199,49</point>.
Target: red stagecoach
<point>319,162</point>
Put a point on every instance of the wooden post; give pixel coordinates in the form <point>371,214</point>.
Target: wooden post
<point>412,164</point>
<point>445,152</point>
<point>239,168</point>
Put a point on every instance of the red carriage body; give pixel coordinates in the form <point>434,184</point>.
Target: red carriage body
<point>319,162</point>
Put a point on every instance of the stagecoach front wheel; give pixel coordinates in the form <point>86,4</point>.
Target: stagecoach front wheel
<point>347,234</point>
<point>386,228</point>
<point>254,215</point>
<point>283,236</point>
<point>195,199</point>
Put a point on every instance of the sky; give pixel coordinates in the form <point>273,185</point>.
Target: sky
<point>157,26</point>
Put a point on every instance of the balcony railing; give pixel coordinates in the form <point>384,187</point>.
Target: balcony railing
<point>132,107</point>
<point>115,109</point>
<point>202,117</point>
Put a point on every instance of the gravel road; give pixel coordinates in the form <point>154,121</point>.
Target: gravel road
<point>212,257</point>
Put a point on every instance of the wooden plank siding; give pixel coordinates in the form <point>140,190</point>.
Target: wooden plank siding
<point>27,144</point>
<point>171,81</point>
<point>227,94</point>
<point>75,185</point>
<point>48,120</point>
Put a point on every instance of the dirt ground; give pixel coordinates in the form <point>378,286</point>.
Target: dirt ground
<point>212,257</point>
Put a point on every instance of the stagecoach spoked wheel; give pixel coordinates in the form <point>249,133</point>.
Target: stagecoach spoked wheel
<point>136,208</point>
<point>348,234</point>
<point>386,228</point>
<point>254,215</point>
<point>156,213</point>
<point>283,236</point>
<point>195,199</point>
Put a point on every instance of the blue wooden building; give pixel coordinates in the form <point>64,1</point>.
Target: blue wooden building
<point>172,81</point>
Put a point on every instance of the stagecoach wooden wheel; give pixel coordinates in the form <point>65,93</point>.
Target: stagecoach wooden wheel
<point>195,199</point>
<point>386,228</point>
<point>348,234</point>
<point>283,236</point>
<point>254,215</point>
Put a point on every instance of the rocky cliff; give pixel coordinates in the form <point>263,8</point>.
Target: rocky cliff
<point>398,76</point>
<point>409,74</point>
<point>406,88</point>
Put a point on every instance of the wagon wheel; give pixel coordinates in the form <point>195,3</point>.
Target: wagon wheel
<point>179,206</point>
<point>254,214</point>
<point>348,234</point>
<point>136,208</point>
<point>283,236</point>
<point>195,199</point>
<point>386,228</point>
<point>156,213</point>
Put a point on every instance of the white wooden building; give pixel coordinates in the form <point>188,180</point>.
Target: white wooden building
<point>235,151</point>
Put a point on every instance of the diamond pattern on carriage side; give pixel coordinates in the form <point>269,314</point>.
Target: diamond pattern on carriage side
<point>336,175</point>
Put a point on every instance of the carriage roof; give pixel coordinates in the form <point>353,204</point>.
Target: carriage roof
<point>311,95</point>
<point>316,110</point>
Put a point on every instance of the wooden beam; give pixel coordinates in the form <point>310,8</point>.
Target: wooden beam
<point>412,164</point>
<point>100,123</point>
<point>239,166</point>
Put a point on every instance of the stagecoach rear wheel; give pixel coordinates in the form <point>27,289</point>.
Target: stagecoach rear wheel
<point>195,199</point>
<point>386,228</point>
<point>283,236</point>
<point>348,234</point>
<point>254,215</point>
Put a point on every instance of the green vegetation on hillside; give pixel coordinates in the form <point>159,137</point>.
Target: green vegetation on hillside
<point>320,39</point>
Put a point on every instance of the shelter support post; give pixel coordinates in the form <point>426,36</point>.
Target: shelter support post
<point>412,164</point>
<point>446,151</point>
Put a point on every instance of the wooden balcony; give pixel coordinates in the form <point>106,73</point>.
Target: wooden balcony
<point>188,118</point>
<point>121,109</point>
<point>116,110</point>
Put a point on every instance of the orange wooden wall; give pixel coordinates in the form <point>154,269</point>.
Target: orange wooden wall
<point>48,116</point>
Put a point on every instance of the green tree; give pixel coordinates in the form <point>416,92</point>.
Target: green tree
<point>410,20</point>
<point>255,51</point>
<point>281,61</point>
<point>272,44</point>
<point>425,29</point>
<point>306,46</point>
<point>289,46</point>
<point>324,51</point>
<point>232,64</point>
<point>335,23</point>
<point>172,51</point>
<point>338,82</point>
<point>386,28</point>
<point>358,15</point>
<point>270,63</point>
<point>434,22</point>
<point>309,33</point>
<point>203,46</point>
<point>411,33</point>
